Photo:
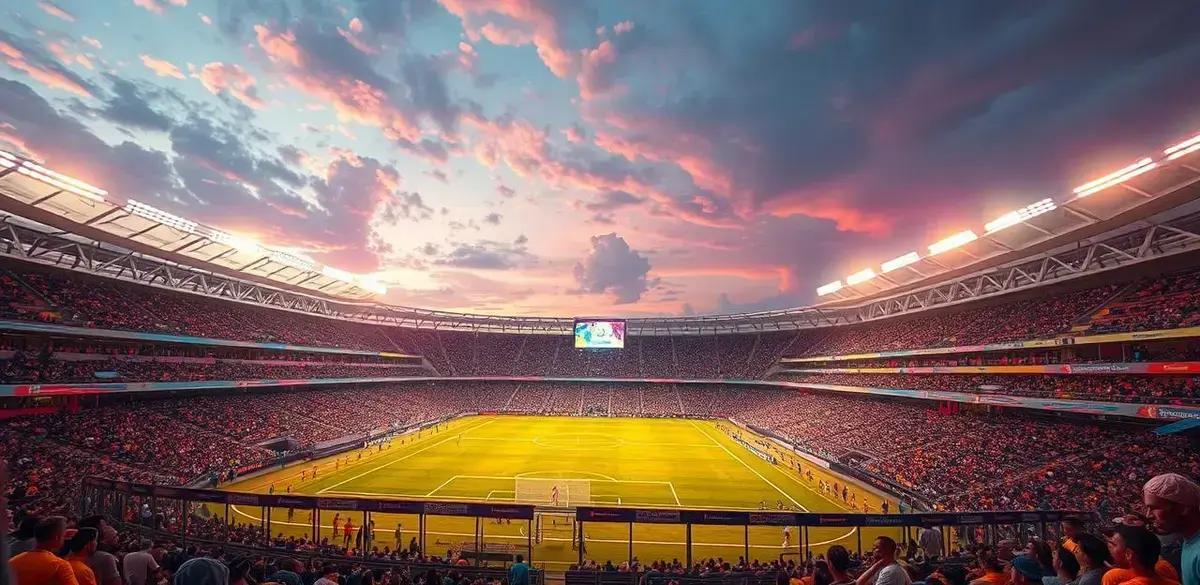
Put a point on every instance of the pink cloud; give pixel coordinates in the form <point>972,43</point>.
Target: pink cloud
<point>14,58</point>
<point>95,44</point>
<point>54,10</point>
<point>593,78</point>
<point>845,217</point>
<point>536,25</point>
<point>158,6</point>
<point>355,41</point>
<point>623,27</point>
<point>352,99</point>
<point>206,19</point>
<point>218,77</point>
<point>161,67</point>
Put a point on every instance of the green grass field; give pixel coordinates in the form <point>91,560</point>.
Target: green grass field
<point>631,462</point>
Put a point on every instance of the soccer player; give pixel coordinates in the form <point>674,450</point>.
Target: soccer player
<point>554,496</point>
<point>787,537</point>
<point>337,521</point>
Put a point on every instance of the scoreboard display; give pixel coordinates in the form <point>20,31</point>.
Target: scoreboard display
<point>599,333</point>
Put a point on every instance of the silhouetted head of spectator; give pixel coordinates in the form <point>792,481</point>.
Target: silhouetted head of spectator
<point>83,541</point>
<point>50,533</point>
<point>1134,547</point>
<point>1092,552</point>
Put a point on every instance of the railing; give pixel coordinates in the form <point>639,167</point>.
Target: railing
<point>491,534</point>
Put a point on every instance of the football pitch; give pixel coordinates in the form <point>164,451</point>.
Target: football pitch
<point>649,463</point>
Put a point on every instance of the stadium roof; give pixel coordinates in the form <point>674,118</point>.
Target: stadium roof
<point>32,191</point>
<point>1148,210</point>
<point>1124,195</point>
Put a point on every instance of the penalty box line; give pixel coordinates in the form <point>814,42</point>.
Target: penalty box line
<point>406,456</point>
<point>605,479</point>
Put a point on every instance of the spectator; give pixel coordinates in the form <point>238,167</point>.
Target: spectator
<point>79,549</point>
<point>1173,504</point>
<point>1092,553</point>
<point>885,570</point>
<point>930,541</point>
<point>140,568</point>
<point>22,540</point>
<point>518,573</point>
<point>41,566</point>
<point>839,565</point>
<point>1025,570</point>
<point>1066,568</point>
<point>102,562</point>
<point>329,575</point>
<point>201,571</point>
<point>1135,552</point>
<point>288,572</point>
<point>993,572</point>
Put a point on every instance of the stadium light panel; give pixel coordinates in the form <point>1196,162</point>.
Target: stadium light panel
<point>952,242</point>
<point>372,285</point>
<point>900,262</point>
<point>238,242</point>
<point>73,185</point>
<point>860,276</point>
<point>337,274</point>
<point>293,261</point>
<point>10,156</point>
<point>6,164</point>
<point>1014,217</point>
<point>24,170</point>
<point>1183,148</point>
<point>1115,178</point>
<point>829,288</point>
<point>155,214</point>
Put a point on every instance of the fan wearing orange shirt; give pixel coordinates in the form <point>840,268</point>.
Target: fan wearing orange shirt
<point>79,548</point>
<point>41,565</point>
<point>1135,552</point>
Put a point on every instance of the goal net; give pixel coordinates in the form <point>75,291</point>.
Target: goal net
<point>563,493</point>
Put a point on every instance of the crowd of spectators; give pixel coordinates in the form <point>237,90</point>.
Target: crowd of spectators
<point>1155,389</point>
<point>952,460</point>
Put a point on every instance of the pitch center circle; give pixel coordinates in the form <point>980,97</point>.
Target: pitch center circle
<point>581,441</point>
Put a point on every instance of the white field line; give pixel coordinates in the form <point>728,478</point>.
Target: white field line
<point>747,466</point>
<point>560,539</point>
<point>674,494</point>
<point>394,461</point>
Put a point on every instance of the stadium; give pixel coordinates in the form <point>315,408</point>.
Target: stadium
<point>994,403</point>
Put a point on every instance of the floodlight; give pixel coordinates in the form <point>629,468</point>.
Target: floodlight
<point>6,164</point>
<point>1014,217</point>
<point>293,261</point>
<point>154,214</point>
<point>1183,148</point>
<point>900,262</point>
<point>952,242</point>
<point>74,185</point>
<point>829,288</point>
<point>860,276</point>
<point>337,274</point>
<point>372,285</point>
<point>238,242</point>
<point>1115,178</point>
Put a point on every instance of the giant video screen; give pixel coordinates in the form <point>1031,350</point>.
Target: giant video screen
<point>599,333</point>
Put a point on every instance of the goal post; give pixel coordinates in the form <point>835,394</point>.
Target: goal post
<point>561,493</point>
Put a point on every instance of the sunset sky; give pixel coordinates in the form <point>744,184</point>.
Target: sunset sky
<point>620,158</point>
